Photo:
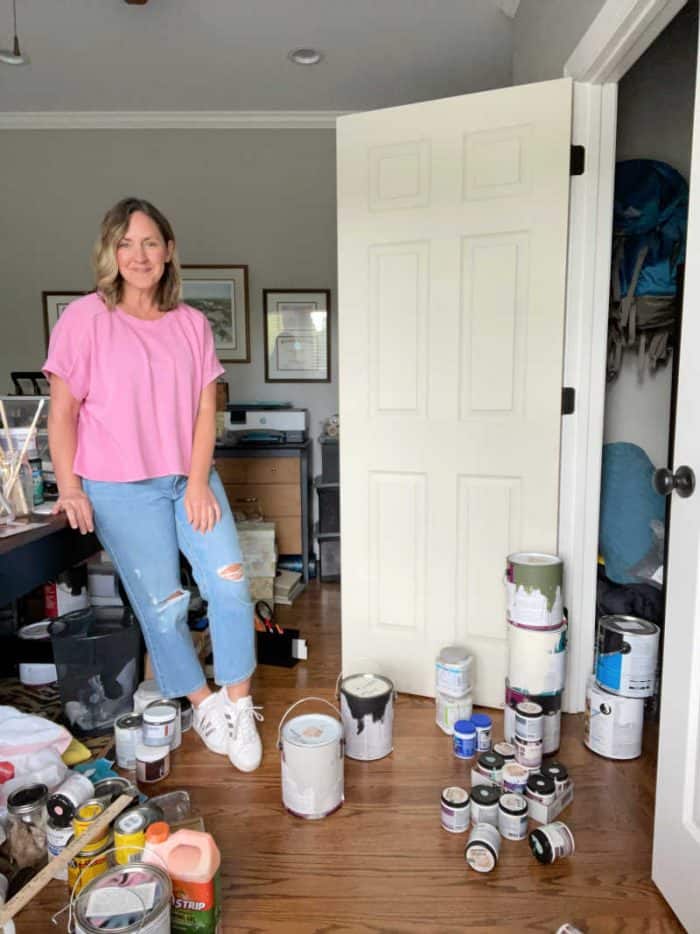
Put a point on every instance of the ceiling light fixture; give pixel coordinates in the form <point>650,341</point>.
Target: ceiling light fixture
<point>305,56</point>
<point>13,56</point>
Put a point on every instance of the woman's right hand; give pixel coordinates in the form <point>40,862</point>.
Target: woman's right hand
<point>78,509</point>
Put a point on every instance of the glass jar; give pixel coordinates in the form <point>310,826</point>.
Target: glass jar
<point>26,825</point>
<point>19,491</point>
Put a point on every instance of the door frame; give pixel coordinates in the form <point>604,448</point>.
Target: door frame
<point>619,35</point>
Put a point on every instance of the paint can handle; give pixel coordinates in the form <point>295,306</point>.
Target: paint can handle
<point>321,700</point>
<point>337,685</point>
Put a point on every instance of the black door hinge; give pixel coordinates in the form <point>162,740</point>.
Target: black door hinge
<point>568,400</point>
<point>577,164</point>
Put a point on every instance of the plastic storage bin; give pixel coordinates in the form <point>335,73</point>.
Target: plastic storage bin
<point>329,548</point>
<point>330,459</point>
<point>328,506</point>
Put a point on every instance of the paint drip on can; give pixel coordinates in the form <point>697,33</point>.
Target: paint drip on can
<point>367,709</point>
<point>534,590</point>
<point>537,660</point>
<point>613,724</point>
<point>448,710</point>
<point>483,848</point>
<point>626,655</point>
<point>454,809</point>
<point>453,671</point>
<point>552,842</point>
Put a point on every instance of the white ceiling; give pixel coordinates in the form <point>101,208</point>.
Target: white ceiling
<point>229,55</point>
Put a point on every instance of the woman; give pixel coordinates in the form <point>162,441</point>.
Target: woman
<point>131,429</point>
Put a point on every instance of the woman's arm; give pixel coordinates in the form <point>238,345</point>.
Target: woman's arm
<point>202,509</point>
<point>63,440</point>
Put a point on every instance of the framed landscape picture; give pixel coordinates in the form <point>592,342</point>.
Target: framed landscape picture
<point>297,335</point>
<point>54,305</point>
<point>221,293</point>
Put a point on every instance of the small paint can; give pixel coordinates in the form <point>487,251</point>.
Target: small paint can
<point>159,723</point>
<point>541,788</point>
<point>512,817</point>
<point>312,762</point>
<point>87,865</point>
<point>568,929</point>
<point>551,710</point>
<point>454,809</point>
<point>552,842</point>
<point>367,710</point>
<point>506,751</point>
<point>145,694</point>
<point>84,820</point>
<point>186,713</point>
<point>483,724</point>
<point>129,836</point>
<point>57,839</point>
<point>108,790</point>
<point>534,590</point>
<point>552,733</point>
<point>127,733</point>
<point>529,721</point>
<point>453,671</point>
<point>491,765</point>
<point>528,753</point>
<point>483,847</point>
<point>484,806</point>
<point>64,802</point>
<point>176,740</point>
<point>626,654</point>
<point>448,710</point>
<point>464,739</point>
<point>152,763</point>
<point>559,773</point>
<point>143,902</point>
<point>537,659</point>
<point>612,724</point>
<point>515,777</point>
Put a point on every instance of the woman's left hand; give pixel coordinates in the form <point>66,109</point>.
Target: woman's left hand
<point>201,507</point>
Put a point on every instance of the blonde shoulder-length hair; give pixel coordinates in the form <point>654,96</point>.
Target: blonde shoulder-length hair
<point>108,280</point>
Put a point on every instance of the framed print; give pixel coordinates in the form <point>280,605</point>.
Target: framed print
<point>297,335</point>
<point>54,305</point>
<point>221,293</point>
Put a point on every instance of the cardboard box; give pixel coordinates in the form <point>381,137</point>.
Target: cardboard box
<point>543,814</point>
<point>257,541</point>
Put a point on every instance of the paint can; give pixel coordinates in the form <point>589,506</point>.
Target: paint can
<point>57,839</point>
<point>127,733</point>
<point>367,710</point>
<point>491,765</point>
<point>145,694</point>
<point>541,788</point>
<point>512,817</point>
<point>143,903</point>
<point>626,655</point>
<point>454,809</point>
<point>483,847</point>
<point>186,713</point>
<point>529,721</point>
<point>484,806</point>
<point>108,790</point>
<point>613,724</point>
<point>506,751</point>
<point>129,836</point>
<point>568,929</point>
<point>551,710</point>
<point>552,842</point>
<point>64,802</point>
<point>559,773</point>
<point>311,752</point>
<point>534,590</point>
<point>515,777</point>
<point>483,724</point>
<point>528,753</point>
<point>87,865</point>
<point>448,710</point>
<point>453,671</point>
<point>537,660</point>
<point>464,739</point>
<point>84,819</point>
<point>152,763</point>
<point>160,723</point>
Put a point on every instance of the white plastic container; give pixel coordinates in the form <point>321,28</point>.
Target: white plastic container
<point>483,848</point>
<point>453,671</point>
<point>512,817</point>
<point>454,809</point>
<point>448,710</point>
<point>152,763</point>
<point>145,694</point>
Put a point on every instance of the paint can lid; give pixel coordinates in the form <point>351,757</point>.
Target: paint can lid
<point>481,720</point>
<point>541,784</point>
<point>311,729</point>
<point>528,709</point>
<point>454,655</point>
<point>366,685</point>
<point>130,721</point>
<point>455,797</point>
<point>513,804</point>
<point>629,624</point>
<point>485,794</point>
<point>505,750</point>
<point>464,728</point>
<point>160,711</point>
<point>491,761</point>
<point>533,559</point>
<point>555,770</point>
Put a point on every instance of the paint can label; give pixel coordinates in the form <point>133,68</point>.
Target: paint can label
<point>464,745</point>
<point>627,656</point>
<point>196,906</point>
<point>454,679</point>
<point>612,724</point>
<point>448,710</point>
<point>483,738</point>
<point>528,753</point>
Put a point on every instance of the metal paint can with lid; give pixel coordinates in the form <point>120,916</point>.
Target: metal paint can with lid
<point>160,723</point>
<point>552,842</point>
<point>448,710</point>
<point>484,806</point>
<point>152,763</point>
<point>367,710</point>
<point>534,590</point>
<point>127,733</point>
<point>483,847</point>
<point>491,765</point>
<point>483,724</point>
<point>142,906</point>
<point>612,724</point>
<point>529,721</point>
<point>541,788</point>
<point>64,802</point>
<point>88,865</point>
<point>512,816</point>
<point>312,761</point>
<point>453,671</point>
<point>626,655</point>
<point>130,836</point>
<point>57,839</point>
<point>515,777</point>
<point>454,809</point>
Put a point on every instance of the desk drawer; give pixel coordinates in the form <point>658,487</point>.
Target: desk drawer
<point>259,469</point>
<point>276,499</point>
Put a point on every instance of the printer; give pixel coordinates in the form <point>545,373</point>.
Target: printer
<point>260,424</point>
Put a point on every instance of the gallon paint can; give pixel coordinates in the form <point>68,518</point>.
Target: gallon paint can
<point>143,903</point>
<point>626,656</point>
<point>145,694</point>
<point>57,839</point>
<point>152,763</point>
<point>453,671</point>
<point>311,751</point>
<point>552,842</point>
<point>541,788</point>
<point>613,724</point>
<point>534,590</point>
<point>483,847</point>
<point>512,817</point>
<point>537,660</point>
<point>448,710</point>
<point>491,765</point>
<point>484,806</point>
<point>367,710</point>
<point>464,739</point>
<point>529,721</point>
<point>129,836</point>
<point>127,733</point>
<point>62,805</point>
<point>483,724</point>
<point>515,777</point>
<point>454,809</point>
<point>159,723</point>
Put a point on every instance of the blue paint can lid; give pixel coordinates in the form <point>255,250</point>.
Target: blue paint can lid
<point>464,728</point>
<point>481,720</point>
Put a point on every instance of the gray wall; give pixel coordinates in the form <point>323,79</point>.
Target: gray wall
<point>545,34</point>
<point>265,198</point>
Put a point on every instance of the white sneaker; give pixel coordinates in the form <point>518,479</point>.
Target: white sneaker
<point>211,724</point>
<point>244,746</point>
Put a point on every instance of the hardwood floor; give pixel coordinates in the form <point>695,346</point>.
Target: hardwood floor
<point>382,862</point>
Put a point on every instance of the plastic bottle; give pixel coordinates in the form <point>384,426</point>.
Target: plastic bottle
<point>191,859</point>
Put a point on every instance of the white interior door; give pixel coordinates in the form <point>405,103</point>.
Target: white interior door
<point>452,257</point>
<point>676,866</point>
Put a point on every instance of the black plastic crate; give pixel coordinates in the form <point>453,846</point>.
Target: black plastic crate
<point>330,459</point>
<point>329,550</point>
<point>328,506</point>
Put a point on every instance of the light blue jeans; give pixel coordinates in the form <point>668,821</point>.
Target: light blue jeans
<point>143,526</point>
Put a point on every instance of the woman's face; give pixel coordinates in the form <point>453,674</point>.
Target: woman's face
<point>142,253</point>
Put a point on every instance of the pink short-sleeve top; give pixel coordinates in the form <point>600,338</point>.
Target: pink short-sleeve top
<point>139,384</point>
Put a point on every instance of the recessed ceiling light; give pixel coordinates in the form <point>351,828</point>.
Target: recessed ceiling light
<point>305,56</point>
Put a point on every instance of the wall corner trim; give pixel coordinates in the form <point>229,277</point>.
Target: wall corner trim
<point>170,120</point>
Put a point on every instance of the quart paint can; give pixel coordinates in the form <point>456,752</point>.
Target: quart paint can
<point>483,724</point>
<point>512,817</point>
<point>108,790</point>
<point>464,739</point>
<point>483,847</point>
<point>529,721</point>
<point>367,709</point>
<point>552,842</point>
<point>160,723</point>
<point>613,724</point>
<point>491,765</point>
<point>312,760</point>
<point>528,753</point>
<point>505,750</point>
<point>145,694</point>
<point>88,865</point>
<point>541,788</point>
<point>551,709</point>
<point>62,805</point>
<point>484,806</point>
<point>448,710</point>
<point>152,763</point>
<point>537,660</point>
<point>454,809</point>
<point>515,777</point>
<point>142,907</point>
<point>453,671</point>
<point>534,590</point>
<point>127,733</point>
<point>129,836</point>
<point>559,773</point>
<point>84,819</point>
<point>626,654</point>
<point>57,839</point>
